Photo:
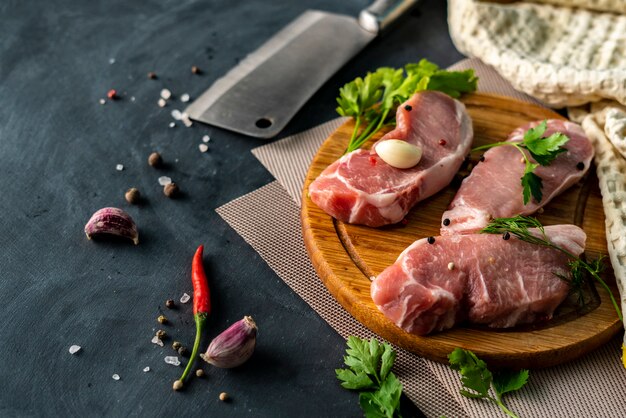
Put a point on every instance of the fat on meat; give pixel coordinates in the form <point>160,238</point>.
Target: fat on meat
<point>360,188</point>
<point>494,190</point>
<point>476,278</point>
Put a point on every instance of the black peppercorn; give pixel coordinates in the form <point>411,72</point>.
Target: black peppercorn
<point>431,240</point>
<point>446,222</point>
<point>155,159</point>
<point>580,166</point>
<point>506,236</point>
<point>171,190</point>
<point>182,351</point>
<point>482,158</point>
<point>408,108</point>
<point>170,303</point>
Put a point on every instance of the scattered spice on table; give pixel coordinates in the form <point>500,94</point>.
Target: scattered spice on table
<point>161,334</point>
<point>164,180</point>
<point>103,102</point>
<point>166,94</point>
<point>132,196</point>
<point>112,94</point>
<point>116,376</point>
<point>152,75</point>
<point>156,340</point>
<point>146,369</point>
<point>155,160</point>
<point>162,319</point>
<point>173,360</point>
<point>75,349</point>
<point>161,102</point>
<point>203,147</point>
<point>171,190</point>
<point>224,397</point>
<point>176,345</point>
<point>119,167</point>
<point>200,373</point>
<point>201,307</point>
<point>170,304</point>
<point>206,138</point>
<point>185,298</point>
<point>185,98</point>
<point>176,114</point>
<point>195,69</point>
<point>172,125</point>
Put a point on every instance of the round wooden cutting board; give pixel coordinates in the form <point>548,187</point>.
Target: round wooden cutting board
<point>346,256</point>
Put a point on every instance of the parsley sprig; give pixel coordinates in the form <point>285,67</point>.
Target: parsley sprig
<point>543,150</point>
<point>369,371</point>
<point>372,99</point>
<point>520,226</point>
<point>477,380</point>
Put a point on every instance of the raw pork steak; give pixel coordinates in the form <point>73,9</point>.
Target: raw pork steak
<point>494,189</point>
<point>361,188</point>
<point>491,281</point>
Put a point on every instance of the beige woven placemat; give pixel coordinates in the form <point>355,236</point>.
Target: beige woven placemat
<point>268,219</point>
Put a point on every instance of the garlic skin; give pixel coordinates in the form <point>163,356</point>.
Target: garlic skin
<point>234,346</point>
<point>112,221</point>
<point>398,153</point>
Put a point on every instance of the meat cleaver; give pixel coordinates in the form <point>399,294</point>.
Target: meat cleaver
<point>264,91</point>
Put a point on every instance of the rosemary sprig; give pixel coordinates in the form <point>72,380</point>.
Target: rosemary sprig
<point>519,226</point>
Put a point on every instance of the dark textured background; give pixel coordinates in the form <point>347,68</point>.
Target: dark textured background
<point>58,152</point>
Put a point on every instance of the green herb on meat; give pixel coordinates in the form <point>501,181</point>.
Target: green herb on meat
<point>372,100</point>
<point>477,380</point>
<point>369,371</point>
<point>520,226</point>
<point>542,150</point>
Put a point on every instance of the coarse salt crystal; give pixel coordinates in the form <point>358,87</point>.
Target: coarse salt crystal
<point>162,103</point>
<point>75,349</point>
<point>102,101</point>
<point>132,98</point>
<point>164,180</point>
<point>156,340</point>
<point>173,360</point>
<point>166,94</point>
<point>184,98</point>
<point>119,167</point>
<point>185,298</point>
<point>203,147</point>
<point>146,369</point>
<point>111,60</point>
<point>116,376</point>
<point>176,114</point>
<point>172,125</point>
<point>206,138</point>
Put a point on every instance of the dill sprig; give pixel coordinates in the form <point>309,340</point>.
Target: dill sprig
<point>519,226</point>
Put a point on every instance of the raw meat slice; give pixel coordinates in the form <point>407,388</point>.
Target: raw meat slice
<point>494,190</point>
<point>360,188</point>
<point>491,281</point>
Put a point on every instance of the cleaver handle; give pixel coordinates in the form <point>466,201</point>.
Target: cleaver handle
<point>382,13</point>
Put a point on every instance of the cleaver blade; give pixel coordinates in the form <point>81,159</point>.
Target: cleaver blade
<point>264,91</point>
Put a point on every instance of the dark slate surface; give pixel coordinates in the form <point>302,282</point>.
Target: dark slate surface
<point>58,152</point>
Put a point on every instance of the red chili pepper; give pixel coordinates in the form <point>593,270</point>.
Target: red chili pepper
<point>201,293</point>
<point>201,308</point>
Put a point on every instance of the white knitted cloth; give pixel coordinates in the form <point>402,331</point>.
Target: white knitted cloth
<point>563,56</point>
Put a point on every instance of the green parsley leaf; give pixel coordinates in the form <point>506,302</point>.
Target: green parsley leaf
<point>474,372</point>
<point>509,381</point>
<point>544,150</point>
<point>531,184</point>
<point>385,401</point>
<point>354,381</point>
<point>477,380</point>
<point>369,371</point>
<point>453,83</point>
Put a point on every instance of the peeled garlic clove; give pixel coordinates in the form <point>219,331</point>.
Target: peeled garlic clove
<point>234,346</point>
<point>398,153</point>
<point>112,221</point>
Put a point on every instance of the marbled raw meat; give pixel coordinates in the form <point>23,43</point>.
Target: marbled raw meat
<point>494,190</point>
<point>360,188</point>
<point>494,282</point>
